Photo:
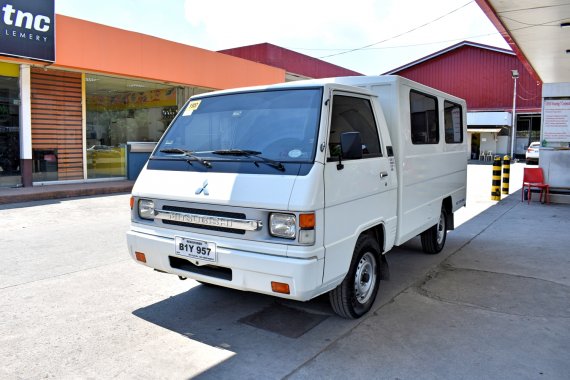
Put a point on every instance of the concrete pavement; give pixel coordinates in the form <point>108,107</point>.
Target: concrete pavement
<point>493,304</point>
<point>498,306</point>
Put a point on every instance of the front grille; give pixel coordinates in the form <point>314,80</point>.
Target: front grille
<point>222,214</point>
<point>206,270</point>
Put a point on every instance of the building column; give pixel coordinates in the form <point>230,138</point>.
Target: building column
<point>26,125</point>
<point>84,124</point>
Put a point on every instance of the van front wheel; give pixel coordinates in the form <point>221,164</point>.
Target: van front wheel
<point>433,239</point>
<point>354,296</point>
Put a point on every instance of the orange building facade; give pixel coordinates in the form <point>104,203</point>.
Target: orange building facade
<point>71,119</point>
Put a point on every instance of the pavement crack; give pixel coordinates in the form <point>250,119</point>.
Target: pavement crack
<point>432,296</point>
<point>449,267</point>
<point>505,292</point>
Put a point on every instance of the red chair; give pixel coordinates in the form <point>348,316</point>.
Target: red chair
<point>533,178</point>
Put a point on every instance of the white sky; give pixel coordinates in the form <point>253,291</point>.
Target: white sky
<point>317,28</point>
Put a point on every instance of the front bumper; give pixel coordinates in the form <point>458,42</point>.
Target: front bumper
<point>249,270</point>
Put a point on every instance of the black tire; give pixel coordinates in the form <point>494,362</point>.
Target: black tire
<point>433,239</point>
<point>354,296</point>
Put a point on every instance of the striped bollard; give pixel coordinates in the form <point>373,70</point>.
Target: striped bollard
<point>496,183</point>
<point>506,174</point>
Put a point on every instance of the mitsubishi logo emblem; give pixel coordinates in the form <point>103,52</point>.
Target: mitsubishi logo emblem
<point>203,189</point>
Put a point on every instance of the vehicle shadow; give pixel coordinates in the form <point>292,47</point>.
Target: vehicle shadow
<point>254,329</point>
<point>206,313</point>
<point>211,314</point>
<point>246,328</point>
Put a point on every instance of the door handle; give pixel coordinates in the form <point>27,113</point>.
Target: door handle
<point>383,174</point>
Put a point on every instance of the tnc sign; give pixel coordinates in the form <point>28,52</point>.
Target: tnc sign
<point>27,29</point>
<point>25,19</point>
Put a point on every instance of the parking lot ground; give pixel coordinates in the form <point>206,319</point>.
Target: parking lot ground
<point>498,306</point>
<point>493,304</point>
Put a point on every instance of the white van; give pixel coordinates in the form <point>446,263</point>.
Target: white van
<point>299,189</point>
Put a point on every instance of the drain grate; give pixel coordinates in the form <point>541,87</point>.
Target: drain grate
<point>284,320</point>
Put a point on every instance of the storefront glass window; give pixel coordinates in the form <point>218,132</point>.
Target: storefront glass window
<point>120,111</point>
<point>10,172</point>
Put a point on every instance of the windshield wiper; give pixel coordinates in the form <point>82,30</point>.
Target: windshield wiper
<point>251,153</point>
<point>189,154</point>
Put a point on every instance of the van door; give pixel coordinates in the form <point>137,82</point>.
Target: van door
<point>360,193</point>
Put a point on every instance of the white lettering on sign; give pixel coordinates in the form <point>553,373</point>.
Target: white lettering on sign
<point>28,36</point>
<point>39,23</point>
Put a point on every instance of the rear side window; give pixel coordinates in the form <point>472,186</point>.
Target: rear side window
<point>423,118</point>
<point>453,123</point>
<point>352,114</point>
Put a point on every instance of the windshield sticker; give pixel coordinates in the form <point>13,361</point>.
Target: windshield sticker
<point>295,153</point>
<point>192,106</point>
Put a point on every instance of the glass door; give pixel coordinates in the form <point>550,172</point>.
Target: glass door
<point>10,173</point>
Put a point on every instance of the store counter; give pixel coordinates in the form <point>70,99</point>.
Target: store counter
<point>555,163</point>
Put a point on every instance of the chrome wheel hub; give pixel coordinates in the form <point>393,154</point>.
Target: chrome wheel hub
<point>365,277</point>
<point>441,229</point>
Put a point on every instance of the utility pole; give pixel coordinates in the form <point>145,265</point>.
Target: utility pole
<point>515,74</point>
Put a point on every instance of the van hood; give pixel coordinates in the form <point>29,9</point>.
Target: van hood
<point>240,190</point>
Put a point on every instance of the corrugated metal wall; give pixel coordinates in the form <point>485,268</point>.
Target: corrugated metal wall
<point>480,76</point>
<point>57,119</point>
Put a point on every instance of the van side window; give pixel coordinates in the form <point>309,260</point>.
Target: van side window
<point>351,114</point>
<point>424,119</point>
<point>453,115</point>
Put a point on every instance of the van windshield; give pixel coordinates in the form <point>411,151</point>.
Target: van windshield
<point>277,126</point>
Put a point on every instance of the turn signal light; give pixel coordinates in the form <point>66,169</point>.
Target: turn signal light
<point>307,221</point>
<point>132,202</point>
<point>279,287</point>
<point>140,257</point>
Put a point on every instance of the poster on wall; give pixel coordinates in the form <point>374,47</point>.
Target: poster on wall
<point>27,29</point>
<point>556,120</point>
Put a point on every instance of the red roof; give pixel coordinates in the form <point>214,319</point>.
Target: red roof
<point>478,73</point>
<point>446,50</point>
<point>289,60</point>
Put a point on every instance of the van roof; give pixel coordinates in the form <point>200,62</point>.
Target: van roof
<point>354,81</point>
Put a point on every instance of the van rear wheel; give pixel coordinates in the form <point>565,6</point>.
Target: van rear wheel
<point>354,296</point>
<point>433,239</point>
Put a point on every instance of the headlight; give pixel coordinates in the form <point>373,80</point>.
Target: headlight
<point>146,209</point>
<point>283,225</point>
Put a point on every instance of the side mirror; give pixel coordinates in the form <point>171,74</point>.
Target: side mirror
<point>351,145</point>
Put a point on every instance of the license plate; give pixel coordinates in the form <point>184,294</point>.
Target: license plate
<point>195,249</point>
